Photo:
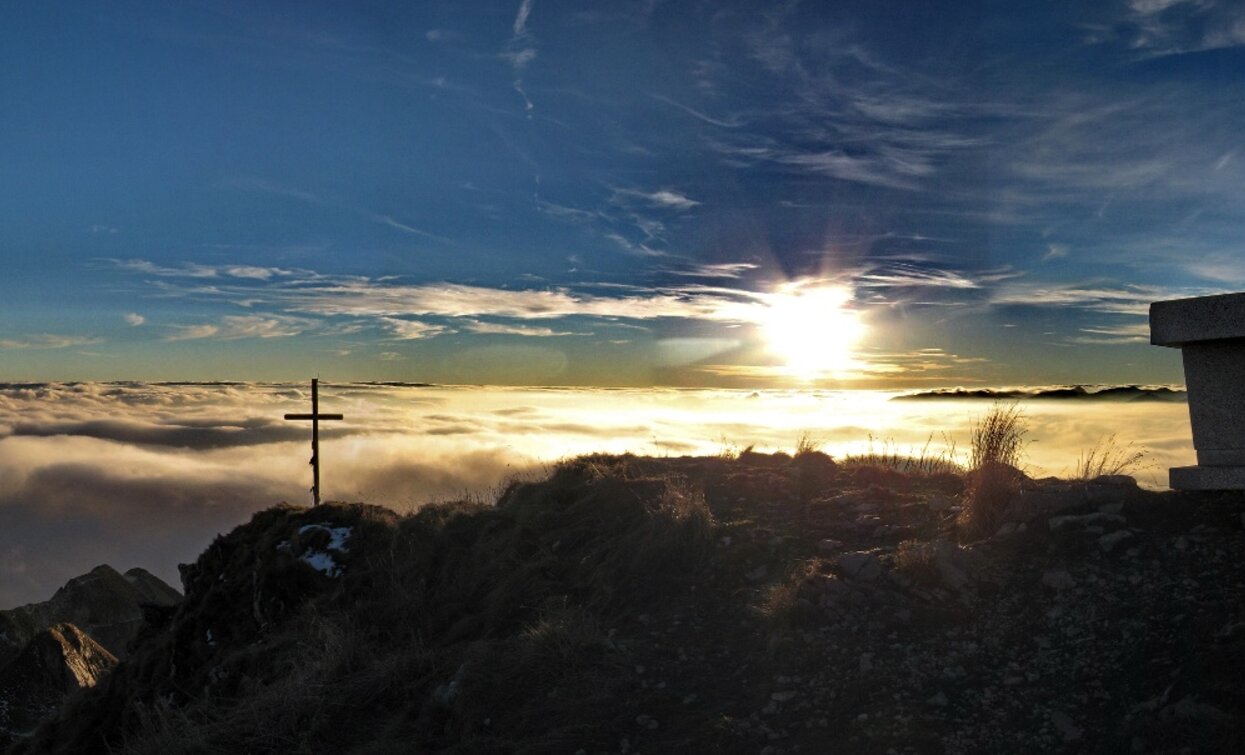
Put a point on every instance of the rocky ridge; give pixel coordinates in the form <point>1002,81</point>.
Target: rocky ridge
<point>761,604</point>
<point>51,649</point>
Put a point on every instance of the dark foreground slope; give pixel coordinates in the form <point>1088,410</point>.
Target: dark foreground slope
<point>790,606</point>
<point>56,662</point>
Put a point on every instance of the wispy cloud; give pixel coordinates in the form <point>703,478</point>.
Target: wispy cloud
<point>1157,28</point>
<point>232,327</point>
<point>1138,332</point>
<point>663,198</point>
<point>133,319</point>
<point>196,270</point>
<point>532,331</point>
<point>724,123</point>
<point>1122,299</point>
<point>521,51</point>
<point>411,330</point>
<point>389,221</point>
<point>47,341</point>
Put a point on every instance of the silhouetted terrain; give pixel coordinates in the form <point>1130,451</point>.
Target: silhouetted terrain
<point>51,649</point>
<point>1070,392</point>
<point>753,604</point>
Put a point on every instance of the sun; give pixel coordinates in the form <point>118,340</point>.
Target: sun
<point>811,329</point>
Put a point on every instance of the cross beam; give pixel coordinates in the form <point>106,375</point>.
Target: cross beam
<point>315,418</point>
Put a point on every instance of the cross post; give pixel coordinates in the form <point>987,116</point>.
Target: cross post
<point>315,418</point>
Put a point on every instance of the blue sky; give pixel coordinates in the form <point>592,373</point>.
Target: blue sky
<point>613,193</point>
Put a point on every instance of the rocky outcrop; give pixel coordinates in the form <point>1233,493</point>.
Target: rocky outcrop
<point>104,603</point>
<point>56,662</point>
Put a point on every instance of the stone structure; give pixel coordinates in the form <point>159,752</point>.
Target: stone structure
<point>1210,333</point>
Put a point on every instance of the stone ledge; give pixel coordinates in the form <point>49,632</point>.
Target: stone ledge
<point>1207,478</point>
<point>1204,318</point>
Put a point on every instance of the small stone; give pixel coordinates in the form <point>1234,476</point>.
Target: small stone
<point>783,696</point>
<point>1108,542</point>
<point>938,700</point>
<point>1065,726</point>
<point>860,565</point>
<point>939,503</point>
<point>646,721</point>
<point>1058,580</point>
<point>757,574</point>
<point>866,662</point>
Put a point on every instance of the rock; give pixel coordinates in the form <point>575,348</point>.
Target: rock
<point>1066,727</point>
<point>646,721</point>
<point>1189,709</point>
<point>1108,542</point>
<point>939,504</point>
<point>783,696</point>
<point>1008,528</point>
<point>1057,523</point>
<point>758,574</point>
<point>866,662</point>
<point>829,545</point>
<point>860,565</point>
<point>57,661</point>
<point>1118,480</point>
<point>938,700</point>
<point>948,560</point>
<point>1058,580</point>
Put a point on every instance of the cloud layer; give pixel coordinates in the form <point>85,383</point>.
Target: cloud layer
<point>136,474</point>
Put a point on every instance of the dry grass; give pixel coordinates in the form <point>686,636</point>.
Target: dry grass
<point>925,460</point>
<point>805,444</point>
<point>1108,457</point>
<point>998,437</point>
<point>915,559</point>
<point>994,476</point>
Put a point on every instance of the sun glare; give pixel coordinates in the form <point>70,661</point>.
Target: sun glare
<point>812,331</point>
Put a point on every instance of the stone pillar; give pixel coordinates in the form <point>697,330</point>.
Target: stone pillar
<point>1210,333</point>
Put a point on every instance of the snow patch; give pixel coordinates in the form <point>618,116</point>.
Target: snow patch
<point>337,535</point>
<point>323,563</point>
<point>322,560</point>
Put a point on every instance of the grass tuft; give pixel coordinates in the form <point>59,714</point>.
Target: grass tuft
<point>1108,457</point>
<point>923,461</point>
<point>994,477</point>
<point>998,437</point>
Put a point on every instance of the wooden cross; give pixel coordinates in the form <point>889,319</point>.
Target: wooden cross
<point>315,418</point>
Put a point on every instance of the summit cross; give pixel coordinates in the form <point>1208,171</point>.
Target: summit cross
<point>315,418</point>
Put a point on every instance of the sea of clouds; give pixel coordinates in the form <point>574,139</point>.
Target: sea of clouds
<point>136,474</point>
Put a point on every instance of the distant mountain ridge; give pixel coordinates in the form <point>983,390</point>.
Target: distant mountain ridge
<point>103,603</point>
<point>1124,393</point>
<point>69,642</point>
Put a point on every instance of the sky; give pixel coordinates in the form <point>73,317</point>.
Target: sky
<point>735,194</point>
